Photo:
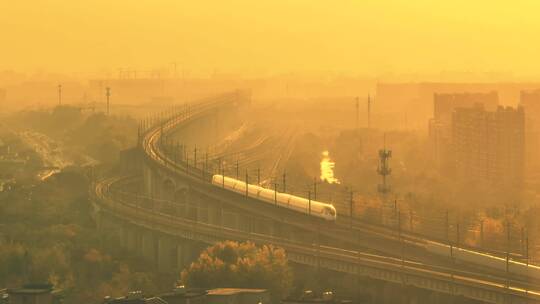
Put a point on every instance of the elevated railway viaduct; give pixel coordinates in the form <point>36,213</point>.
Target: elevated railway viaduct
<point>171,211</point>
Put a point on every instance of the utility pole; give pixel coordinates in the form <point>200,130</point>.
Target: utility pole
<point>187,161</point>
<point>357,113</point>
<point>369,111</point>
<point>184,153</point>
<point>457,235</point>
<point>237,169</point>
<point>411,220</point>
<point>195,157</point>
<point>177,151</point>
<point>205,164</point>
<point>507,253</point>
<point>275,193</point>
<point>400,238</point>
<point>175,74</point>
<point>247,183</point>
<point>108,94</point>
<point>451,251</point>
<point>138,134</point>
<point>351,205</point>
<point>222,174</point>
<point>527,247</point>
<point>447,228</point>
<point>482,234</point>
<point>284,180</point>
<point>395,208</point>
<point>59,94</point>
<point>315,189</point>
<point>309,202</point>
<point>522,241</point>
<point>259,176</point>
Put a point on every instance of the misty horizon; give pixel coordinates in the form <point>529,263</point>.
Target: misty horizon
<point>267,38</point>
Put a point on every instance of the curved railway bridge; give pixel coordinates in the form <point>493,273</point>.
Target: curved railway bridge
<point>171,211</point>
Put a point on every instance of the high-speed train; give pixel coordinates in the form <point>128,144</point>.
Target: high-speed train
<point>284,200</point>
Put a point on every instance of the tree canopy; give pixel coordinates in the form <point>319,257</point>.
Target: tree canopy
<point>241,265</point>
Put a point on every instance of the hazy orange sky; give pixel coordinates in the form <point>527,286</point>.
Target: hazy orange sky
<point>247,36</point>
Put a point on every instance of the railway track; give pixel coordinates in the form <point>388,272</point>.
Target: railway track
<point>341,230</point>
<point>152,219</point>
<point>347,231</point>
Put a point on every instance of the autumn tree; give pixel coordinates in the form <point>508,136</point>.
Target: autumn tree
<point>241,265</point>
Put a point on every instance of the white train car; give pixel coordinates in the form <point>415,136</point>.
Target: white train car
<point>483,259</point>
<point>284,200</point>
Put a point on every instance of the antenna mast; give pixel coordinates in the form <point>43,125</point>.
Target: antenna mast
<point>384,167</point>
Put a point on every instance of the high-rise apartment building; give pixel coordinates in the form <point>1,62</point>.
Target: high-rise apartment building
<point>530,101</point>
<point>489,146</point>
<point>440,126</point>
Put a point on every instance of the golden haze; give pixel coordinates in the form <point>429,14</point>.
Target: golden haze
<point>253,37</point>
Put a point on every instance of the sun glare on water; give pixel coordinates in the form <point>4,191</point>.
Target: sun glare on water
<point>327,169</point>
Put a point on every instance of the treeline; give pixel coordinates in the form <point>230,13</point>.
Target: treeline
<point>429,201</point>
<point>96,134</point>
<point>48,235</point>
